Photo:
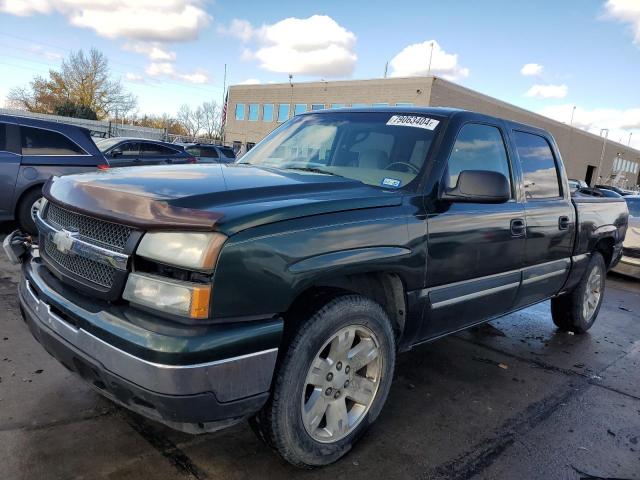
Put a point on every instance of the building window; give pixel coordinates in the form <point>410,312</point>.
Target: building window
<point>379,104</point>
<point>283,112</point>
<point>359,105</point>
<point>317,106</point>
<point>404,104</point>
<point>337,105</point>
<point>239,111</point>
<point>300,108</point>
<point>237,145</point>
<point>254,111</point>
<point>250,145</point>
<point>267,112</point>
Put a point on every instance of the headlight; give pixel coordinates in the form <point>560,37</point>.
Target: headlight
<point>197,251</point>
<point>180,298</point>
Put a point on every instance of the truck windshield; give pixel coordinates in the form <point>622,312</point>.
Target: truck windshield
<point>377,148</point>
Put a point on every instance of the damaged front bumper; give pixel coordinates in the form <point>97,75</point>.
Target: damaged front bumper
<point>146,369</point>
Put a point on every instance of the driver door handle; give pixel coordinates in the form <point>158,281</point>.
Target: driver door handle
<point>564,222</point>
<point>518,227</point>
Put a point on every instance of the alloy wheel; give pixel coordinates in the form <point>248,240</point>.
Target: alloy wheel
<point>341,384</point>
<point>592,294</point>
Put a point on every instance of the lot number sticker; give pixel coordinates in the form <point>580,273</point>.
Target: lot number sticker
<point>413,121</point>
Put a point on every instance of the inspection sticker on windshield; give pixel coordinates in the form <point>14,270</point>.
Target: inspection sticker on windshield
<point>413,121</point>
<point>391,182</point>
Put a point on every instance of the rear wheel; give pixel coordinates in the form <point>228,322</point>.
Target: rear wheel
<point>331,384</point>
<point>578,310</point>
<point>27,210</point>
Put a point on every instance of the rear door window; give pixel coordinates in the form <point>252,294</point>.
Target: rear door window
<point>37,141</point>
<point>541,178</point>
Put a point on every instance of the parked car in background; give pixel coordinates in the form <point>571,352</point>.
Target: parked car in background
<point>630,262</point>
<point>361,233</point>
<point>577,184</point>
<point>619,191</point>
<point>31,151</point>
<point>596,192</point>
<point>207,153</point>
<point>124,152</point>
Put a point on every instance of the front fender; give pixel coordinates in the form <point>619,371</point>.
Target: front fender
<point>263,272</point>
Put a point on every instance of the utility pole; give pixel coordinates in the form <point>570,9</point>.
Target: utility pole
<point>223,110</point>
<point>629,141</point>
<point>291,98</point>
<point>604,145</point>
<point>386,69</point>
<point>430,58</point>
<point>573,111</point>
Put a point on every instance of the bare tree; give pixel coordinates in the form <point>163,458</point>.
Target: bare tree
<point>211,117</point>
<point>192,120</point>
<point>83,81</point>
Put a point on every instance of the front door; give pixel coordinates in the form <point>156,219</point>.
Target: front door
<point>550,219</point>
<point>125,154</point>
<point>475,250</point>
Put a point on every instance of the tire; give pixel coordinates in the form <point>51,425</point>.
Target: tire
<point>577,310</point>
<point>306,443</point>
<point>24,211</point>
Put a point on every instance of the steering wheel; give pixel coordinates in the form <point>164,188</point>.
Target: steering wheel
<point>409,166</point>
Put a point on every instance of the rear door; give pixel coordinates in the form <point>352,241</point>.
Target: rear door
<point>475,251</point>
<point>550,217</point>
<point>9,166</point>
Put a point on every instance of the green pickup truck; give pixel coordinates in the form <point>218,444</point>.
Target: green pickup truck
<point>280,288</point>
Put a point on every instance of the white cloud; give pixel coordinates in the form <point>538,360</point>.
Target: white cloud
<point>238,28</point>
<point>41,51</point>
<point>413,61</point>
<point>620,122</point>
<point>250,81</point>
<point>531,69</point>
<point>627,11</point>
<point>155,51</point>
<point>316,45</point>
<point>146,20</point>
<point>134,77</point>
<point>547,91</point>
<point>168,70</point>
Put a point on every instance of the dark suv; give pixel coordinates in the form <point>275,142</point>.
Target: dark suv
<point>124,152</point>
<point>207,153</point>
<point>33,150</point>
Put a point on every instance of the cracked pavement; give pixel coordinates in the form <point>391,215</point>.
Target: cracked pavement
<point>512,399</point>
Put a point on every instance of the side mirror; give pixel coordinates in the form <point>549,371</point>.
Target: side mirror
<point>116,152</point>
<point>479,186</point>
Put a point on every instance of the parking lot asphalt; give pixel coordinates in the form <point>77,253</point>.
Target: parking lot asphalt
<point>514,399</point>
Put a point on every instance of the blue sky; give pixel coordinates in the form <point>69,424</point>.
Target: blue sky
<point>583,52</point>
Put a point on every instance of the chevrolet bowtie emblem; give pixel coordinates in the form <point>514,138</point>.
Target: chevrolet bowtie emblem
<point>63,240</point>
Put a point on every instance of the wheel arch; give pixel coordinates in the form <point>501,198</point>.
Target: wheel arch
<point>385,288</point>
<point>26,191</point>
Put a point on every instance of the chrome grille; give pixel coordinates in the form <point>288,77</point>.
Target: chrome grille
<point>83,267</point>
<point>100,232</point>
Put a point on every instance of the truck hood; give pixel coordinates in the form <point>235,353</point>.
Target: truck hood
<point>228,198</point>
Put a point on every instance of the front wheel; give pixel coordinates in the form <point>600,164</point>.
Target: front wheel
<point>28,208</point>
<point>577,310</point>
<point>331,384</point>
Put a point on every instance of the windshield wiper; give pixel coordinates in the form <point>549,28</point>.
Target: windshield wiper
<point>312,170</point>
